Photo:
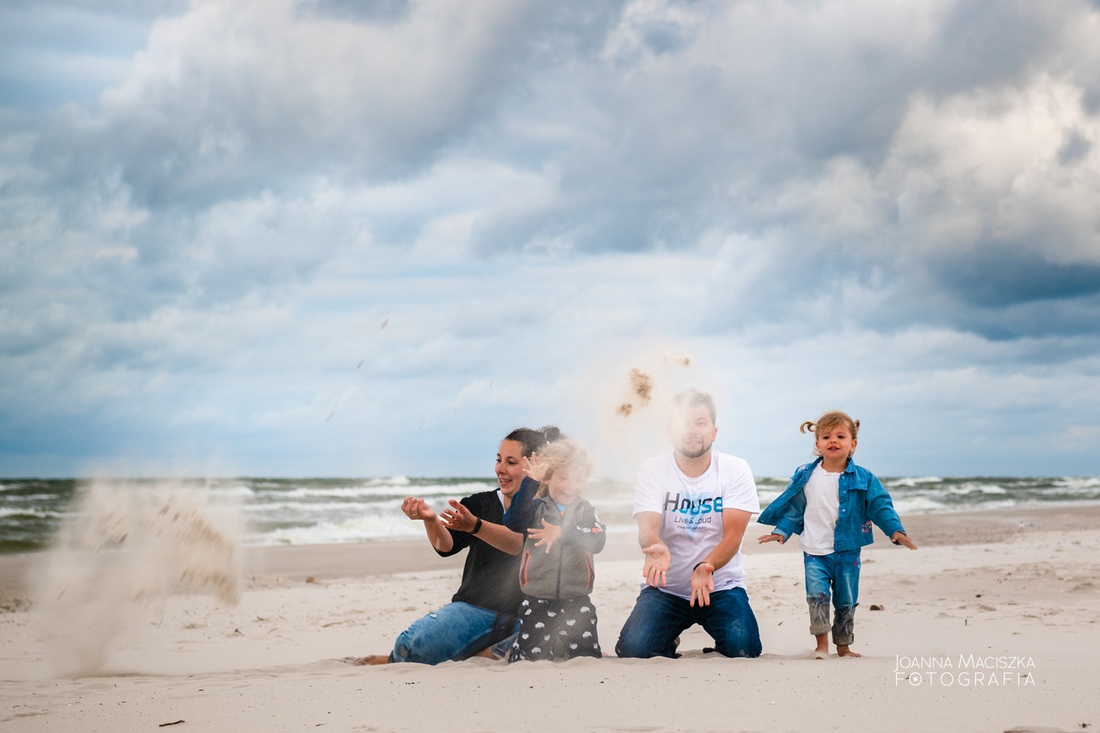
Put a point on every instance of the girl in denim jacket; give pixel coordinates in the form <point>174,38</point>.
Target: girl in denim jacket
<point>830,504</point>
<point>563,532</point>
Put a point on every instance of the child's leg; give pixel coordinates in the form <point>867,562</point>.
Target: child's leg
<point>818,582</point>
<point>845,598</point>
<point>535,640</point>
<point>578,629</point>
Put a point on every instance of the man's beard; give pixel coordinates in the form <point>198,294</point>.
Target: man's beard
<point>697,453</point>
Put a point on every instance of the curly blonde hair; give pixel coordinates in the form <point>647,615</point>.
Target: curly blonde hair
<point>828,421</point>
<point>564,453</point>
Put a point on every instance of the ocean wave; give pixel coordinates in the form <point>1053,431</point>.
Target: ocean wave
<point>29,513</point>
<point>913,481</point>
<point>327,510</point>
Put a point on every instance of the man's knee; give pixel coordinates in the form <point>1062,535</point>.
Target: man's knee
<point>740,634</point>
<point>634,640</point>
<point>740,641</point>
<point>643,637</point>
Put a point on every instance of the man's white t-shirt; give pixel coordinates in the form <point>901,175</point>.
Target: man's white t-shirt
<point>691,514</point>
<point>822,509</point>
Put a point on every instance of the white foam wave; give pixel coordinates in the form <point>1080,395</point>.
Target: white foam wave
<point>358,529</point>
<point>40,513</point>
<point>913,481</point>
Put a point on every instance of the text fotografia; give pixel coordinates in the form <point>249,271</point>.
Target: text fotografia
<point>967,670</point>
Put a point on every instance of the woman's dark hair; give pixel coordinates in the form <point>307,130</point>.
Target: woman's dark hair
<point>533,440</point>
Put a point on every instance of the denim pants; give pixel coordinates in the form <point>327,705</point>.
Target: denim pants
<point>659,617</point>
<point>838,572</point>
<point>456,631</point>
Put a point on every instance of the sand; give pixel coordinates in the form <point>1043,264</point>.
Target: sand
<point>990,626</point>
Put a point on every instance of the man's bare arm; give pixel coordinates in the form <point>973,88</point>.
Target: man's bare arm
<point>734,524</point>
<point>657,556</point>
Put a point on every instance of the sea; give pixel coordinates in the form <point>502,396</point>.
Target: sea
<point>287,511</point>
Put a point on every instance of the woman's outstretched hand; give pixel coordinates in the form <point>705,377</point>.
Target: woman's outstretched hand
<point>458,517</point>
<point>416,508</point>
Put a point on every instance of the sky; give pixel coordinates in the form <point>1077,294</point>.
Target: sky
<point>334,238</point>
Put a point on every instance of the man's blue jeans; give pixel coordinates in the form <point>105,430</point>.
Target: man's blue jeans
<point>456,631</point>
<point>659,617</point>
<point>837,572</point>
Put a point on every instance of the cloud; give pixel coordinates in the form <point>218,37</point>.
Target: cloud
<point>234,98</point>
<point>206,213</point>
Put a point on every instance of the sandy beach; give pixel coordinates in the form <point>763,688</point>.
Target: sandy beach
<point>990,626</point>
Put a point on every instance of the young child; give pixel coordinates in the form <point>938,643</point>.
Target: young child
<point>558,620</point>
<point>830,504</point>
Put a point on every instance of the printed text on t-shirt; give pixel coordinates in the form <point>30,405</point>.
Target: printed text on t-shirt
<point>693,504</point>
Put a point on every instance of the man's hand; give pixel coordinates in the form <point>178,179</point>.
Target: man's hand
<point>702,583</point>
<point>657,559</point>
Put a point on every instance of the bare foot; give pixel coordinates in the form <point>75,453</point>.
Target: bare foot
<point>822,650</point>
<point>371,659</point>
<point>843,651</point>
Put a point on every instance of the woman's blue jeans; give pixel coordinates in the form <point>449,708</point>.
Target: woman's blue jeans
<point>456,631</point>
<point>659,617</point>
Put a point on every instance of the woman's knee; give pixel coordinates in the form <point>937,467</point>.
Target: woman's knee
<point>423,643</point>
<point>411,647</point>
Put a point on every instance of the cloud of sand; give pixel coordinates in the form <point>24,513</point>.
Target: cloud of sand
<point>125,545</point>
<point>629,403</point>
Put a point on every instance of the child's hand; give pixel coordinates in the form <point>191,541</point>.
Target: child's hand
<point>900,538</point>
<point>534,467</point>
<point>773,537</point>
<point>548,535</point>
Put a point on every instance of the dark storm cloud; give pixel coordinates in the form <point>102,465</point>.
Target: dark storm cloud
<point>286,100</point>
<point>204,225</point>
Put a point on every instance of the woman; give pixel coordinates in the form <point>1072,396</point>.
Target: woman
<point>482,612</point>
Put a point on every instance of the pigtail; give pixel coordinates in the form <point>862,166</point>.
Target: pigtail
<point>807,427</point>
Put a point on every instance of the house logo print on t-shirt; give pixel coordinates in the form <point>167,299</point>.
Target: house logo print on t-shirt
<point>692,511</point>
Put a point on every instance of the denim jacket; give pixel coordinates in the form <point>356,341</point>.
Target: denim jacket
<point>863,500</point>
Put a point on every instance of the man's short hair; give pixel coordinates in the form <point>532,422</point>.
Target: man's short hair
<point>692,398</point>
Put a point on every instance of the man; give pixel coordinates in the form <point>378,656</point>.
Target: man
<point>692,507</point>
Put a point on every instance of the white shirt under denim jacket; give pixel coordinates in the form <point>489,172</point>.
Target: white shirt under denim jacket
<point>863,500</point>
